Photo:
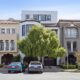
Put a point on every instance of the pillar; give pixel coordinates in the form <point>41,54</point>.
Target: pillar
<point>71,46</point>
<point>58,61</point>
<point>0,58</point>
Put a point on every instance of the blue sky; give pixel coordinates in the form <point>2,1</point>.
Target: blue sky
<point>67,9</point>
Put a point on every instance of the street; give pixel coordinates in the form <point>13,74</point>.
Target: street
<point>43,76</point>
<point>53,76</point>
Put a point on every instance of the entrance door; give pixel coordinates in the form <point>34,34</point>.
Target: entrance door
<point>71,59</point>
<point>50,61</point>
<point>6,59</point>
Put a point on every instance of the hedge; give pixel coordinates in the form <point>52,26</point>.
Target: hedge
<point>70,66</point>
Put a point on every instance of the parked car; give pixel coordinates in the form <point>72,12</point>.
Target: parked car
<point>35,66</point>
<point>16,66</point>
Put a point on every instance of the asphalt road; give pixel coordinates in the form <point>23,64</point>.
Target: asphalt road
<point>36,76</point>
<point>43,76</point>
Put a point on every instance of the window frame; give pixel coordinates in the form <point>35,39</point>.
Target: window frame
<point>68,32</point>
<point>23,30</point>
<point>2,30</point>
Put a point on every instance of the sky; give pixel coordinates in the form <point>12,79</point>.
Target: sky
<point>67,9</point>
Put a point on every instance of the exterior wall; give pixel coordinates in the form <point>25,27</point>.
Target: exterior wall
<point>31,13</point>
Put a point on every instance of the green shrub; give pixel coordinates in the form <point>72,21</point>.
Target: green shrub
<point>70,66</point>
<point>16,58</point>
<point>1,65</point>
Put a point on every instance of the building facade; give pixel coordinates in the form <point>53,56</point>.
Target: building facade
<point>70,38</point>
<point>48,19</point>
<point>68,32</point>
<point>8,38</point>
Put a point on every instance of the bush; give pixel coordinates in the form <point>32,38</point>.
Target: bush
<point>16,58</point>
<point>70,66</point>
<point>1,65</point>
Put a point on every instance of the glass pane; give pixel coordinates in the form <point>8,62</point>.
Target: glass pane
<point>36,17</point>
<point>69,46</point>
<point>74,46</point>
<point>23,30</point>
<point>7,45</point>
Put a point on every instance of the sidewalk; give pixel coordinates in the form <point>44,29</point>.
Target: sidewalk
<point>53,69</point>
<point>71,70</point>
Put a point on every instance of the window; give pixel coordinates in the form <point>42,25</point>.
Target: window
<point>23,30</point>
<point>27,16</point>
<point>71,33</point>
<point>69,46</point>
<point>12,45</point>
<point>42,17</point>
<point>13,30</point>
<point>28,27</point>
<point>7,45</point>
<point>1,45</point>
<point>36,17</point>
<point>2,31</point>
<point>8,31</point>
<point>74,46</point>
<point>48,17</point>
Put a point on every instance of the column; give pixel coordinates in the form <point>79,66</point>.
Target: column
<point>0,58</point>
<point>43,61</point>
<point>9,45</point>
<point>71,46</point>
<point>58,60</point>
<point>4,45</point>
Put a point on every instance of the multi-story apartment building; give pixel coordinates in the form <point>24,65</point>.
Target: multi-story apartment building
<point>70,38</point>
<point>8,38</point>
<point>48,19</point>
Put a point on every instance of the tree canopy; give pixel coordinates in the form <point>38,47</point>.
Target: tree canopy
<point>41,42</point>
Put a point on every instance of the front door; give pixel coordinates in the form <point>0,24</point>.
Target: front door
<point>50,61</point>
